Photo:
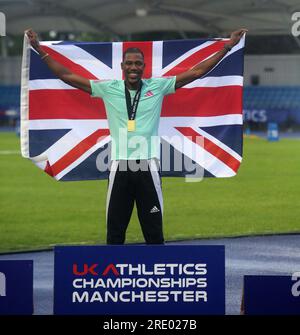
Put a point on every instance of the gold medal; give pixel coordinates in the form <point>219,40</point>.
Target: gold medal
<point>131,125</point>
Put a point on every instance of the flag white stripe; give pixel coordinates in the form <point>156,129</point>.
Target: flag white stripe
<point>209,121</point>
<point>79,132</point>
<point>117,55</point>
<point>186,55</point>
<point>165,122</point>
<point>57,84</point>
<point>49,84</point>
<point>68,124</point>
<point>219,144</point>
<point>41,164</point>
<point>216,82</point>
<point>88,126</point>
<point>157,51</point>
<point>85,59</point>
<point>66,143</point>
<point>237,47</point>
<point>82,158</point>
<point>49,43</point>
<point>24,98</point>
<point>61,147</point>
<point>198,154</point>
<point>83,128</point>
<point>219,169</point>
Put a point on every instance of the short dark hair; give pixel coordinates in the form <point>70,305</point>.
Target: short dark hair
<point>133,51</point>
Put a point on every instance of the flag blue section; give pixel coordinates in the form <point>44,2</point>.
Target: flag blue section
<point>41,140</point>
<point>101,51</point>
<point>38,68</point>
<point>174,49</point>
<point>77,167</point>
<point>230,135</point>
<point>232,65</point>
<point>88,169</point>
<point>178,165</point>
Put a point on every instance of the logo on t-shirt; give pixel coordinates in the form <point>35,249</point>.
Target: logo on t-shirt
<point>149,94</point>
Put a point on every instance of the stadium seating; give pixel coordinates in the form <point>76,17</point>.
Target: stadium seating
<point>272,97</point>
<point>280,103</point>
<point>9,102</point>
<point>9,96</point>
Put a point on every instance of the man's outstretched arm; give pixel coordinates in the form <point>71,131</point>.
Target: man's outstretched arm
<point>199,70</point>
<point>59,70</point>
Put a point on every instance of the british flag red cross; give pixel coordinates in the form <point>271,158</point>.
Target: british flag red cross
<point>63,129</point>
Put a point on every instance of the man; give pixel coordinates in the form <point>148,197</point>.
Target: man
<point>133,108</point>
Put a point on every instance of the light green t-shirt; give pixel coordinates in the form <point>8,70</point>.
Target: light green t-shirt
<point>143,143</point>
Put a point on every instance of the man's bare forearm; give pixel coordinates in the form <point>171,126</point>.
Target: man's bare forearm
<point>208,64</point>
<point>202,68</point>
<point>58,69</point>
<point>205,66</point>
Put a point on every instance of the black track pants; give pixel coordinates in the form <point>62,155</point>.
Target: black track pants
<point>134,182</point>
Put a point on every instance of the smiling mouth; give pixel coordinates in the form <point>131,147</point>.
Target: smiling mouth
<point>133,75</point>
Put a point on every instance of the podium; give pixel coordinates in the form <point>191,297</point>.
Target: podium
<point>139,280</point>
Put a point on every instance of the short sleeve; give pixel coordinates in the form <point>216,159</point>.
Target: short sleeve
<point>167,84</point>
<point>99,87</point>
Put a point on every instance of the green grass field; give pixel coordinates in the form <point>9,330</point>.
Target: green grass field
<point>38,212</point>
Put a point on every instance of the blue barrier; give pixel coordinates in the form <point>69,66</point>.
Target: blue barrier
<point>272,295</point>
<point>16,287</point>
<point>140,280</point>
<point>273,133</point>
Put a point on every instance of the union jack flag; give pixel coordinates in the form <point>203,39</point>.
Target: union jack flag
<point>63,129</point>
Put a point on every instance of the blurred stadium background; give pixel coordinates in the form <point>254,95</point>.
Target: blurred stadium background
<point>37,212</point>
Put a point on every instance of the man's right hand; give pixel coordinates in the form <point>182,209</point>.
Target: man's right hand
<point>33,39</point>
<point>58,69</point>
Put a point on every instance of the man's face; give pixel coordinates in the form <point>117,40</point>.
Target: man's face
<point>133,67</point>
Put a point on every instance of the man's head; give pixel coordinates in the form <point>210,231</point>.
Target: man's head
<point>133,65</point>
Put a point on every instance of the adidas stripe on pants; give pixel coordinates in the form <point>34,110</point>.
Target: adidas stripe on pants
<point>128,185</point>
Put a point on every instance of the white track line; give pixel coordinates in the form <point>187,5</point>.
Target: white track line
<point>10,152</point>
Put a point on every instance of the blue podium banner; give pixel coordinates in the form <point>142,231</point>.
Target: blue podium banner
<point>272,295</point>
<point>139,280</point>
<point>16,287</point>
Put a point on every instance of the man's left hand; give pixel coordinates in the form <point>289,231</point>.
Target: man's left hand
<point>236,36</point>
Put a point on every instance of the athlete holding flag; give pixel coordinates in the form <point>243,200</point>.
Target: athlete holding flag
<point>133,108</point>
